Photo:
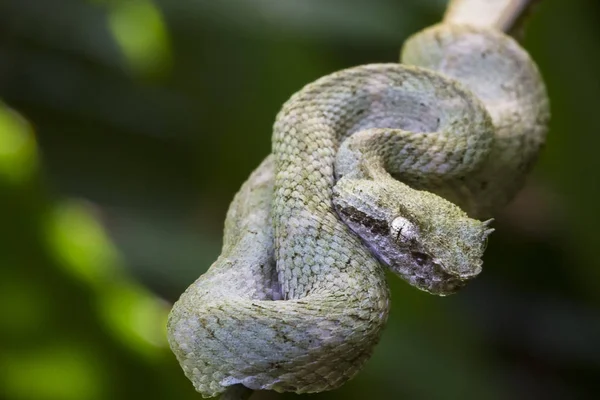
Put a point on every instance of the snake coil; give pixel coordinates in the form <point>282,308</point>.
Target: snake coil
<point>379,164</point>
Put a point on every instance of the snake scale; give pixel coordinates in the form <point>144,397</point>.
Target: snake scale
<point>381,164</point>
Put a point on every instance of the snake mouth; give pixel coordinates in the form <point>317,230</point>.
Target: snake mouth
<point>441,284</point>
<point>433,278</point>
<point>463,274</point>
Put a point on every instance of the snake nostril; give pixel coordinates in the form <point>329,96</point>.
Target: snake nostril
<point>420,258</point>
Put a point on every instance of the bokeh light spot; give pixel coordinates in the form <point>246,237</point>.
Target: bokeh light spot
<point>137,317</point>
<point>132,314</point>
<point>18,158</point>
<point>140,31</point>
<point>80,244</point>
<point>63,372</point>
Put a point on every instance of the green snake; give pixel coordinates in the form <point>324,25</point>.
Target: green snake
<point>381,164</point>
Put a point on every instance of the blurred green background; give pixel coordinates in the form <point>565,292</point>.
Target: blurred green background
<point>127,126</point>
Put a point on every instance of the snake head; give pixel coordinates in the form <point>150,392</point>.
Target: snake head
<point>428,241</point>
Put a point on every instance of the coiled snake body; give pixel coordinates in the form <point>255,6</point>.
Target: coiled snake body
<point>381,163</point>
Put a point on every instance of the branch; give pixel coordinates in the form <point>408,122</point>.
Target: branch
<point>505,15</point>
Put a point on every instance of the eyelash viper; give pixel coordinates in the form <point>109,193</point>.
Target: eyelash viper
<point>390,164</point>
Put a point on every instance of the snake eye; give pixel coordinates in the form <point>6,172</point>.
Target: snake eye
<point>403,230</point>
<point>420,258</point>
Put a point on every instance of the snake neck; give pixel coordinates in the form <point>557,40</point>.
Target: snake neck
<point>504,78</point>
<point>315,251</point>
<point>419,117</point>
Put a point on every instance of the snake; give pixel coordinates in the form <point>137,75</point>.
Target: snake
<point>390,165</point>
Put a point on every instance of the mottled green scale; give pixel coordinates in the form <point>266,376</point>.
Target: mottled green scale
<point>381,163</point>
